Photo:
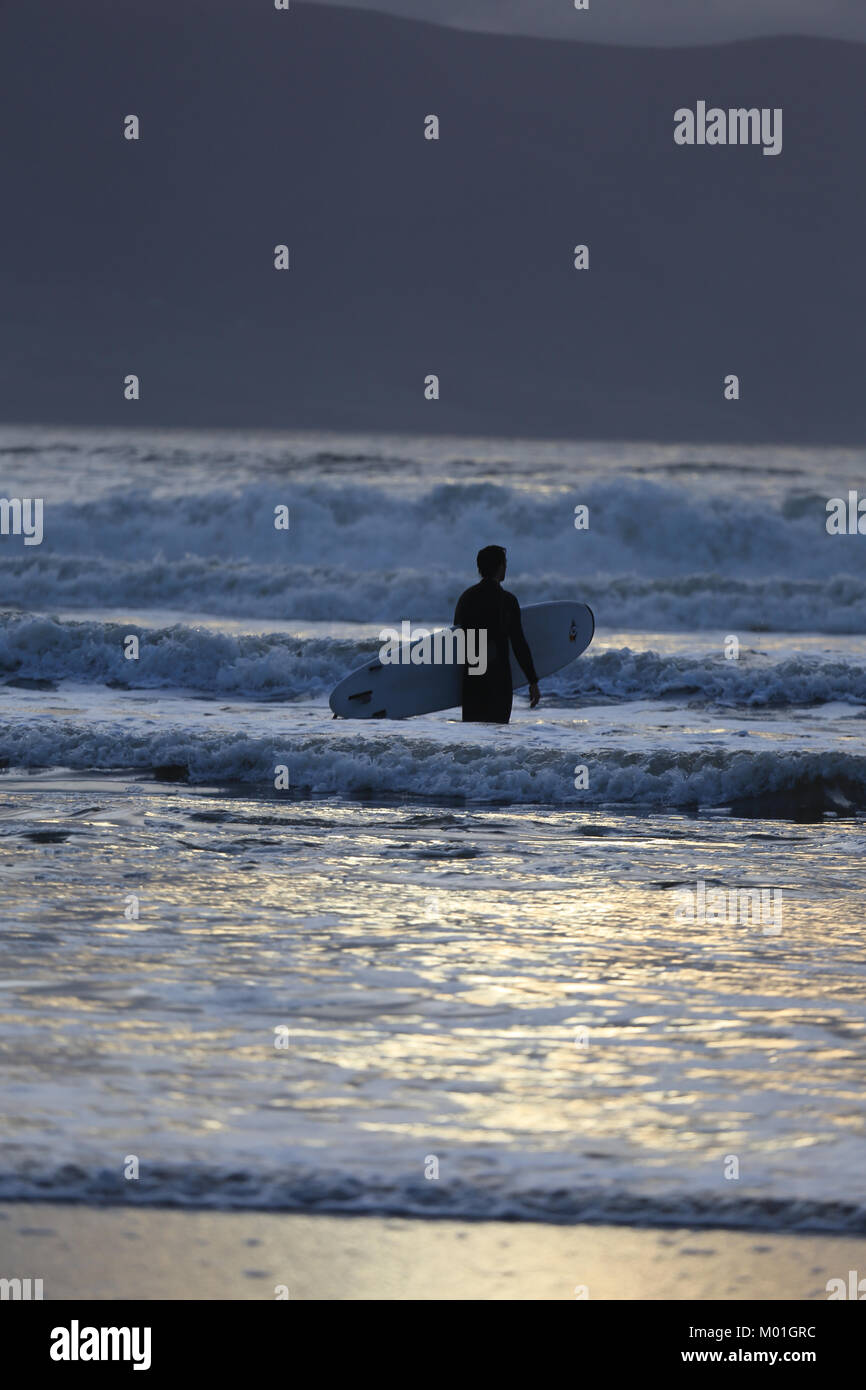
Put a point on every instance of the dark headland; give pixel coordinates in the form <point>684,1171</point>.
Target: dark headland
<point>411,256</point>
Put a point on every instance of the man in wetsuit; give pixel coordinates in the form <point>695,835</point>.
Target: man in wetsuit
<point>487,698</point>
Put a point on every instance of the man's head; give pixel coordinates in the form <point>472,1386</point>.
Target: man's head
<point>491,562</point>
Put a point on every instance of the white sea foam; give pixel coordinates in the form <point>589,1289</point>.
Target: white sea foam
<point>279,665</point>
<point>374,536</point>
<point>484,767</point>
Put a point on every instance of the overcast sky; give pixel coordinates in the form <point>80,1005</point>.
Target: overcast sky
<point>638,21</point>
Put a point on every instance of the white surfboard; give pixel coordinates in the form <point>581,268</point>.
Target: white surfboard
<point>557,633</point>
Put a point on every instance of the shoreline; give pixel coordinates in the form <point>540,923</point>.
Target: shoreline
<point>106,1253</point>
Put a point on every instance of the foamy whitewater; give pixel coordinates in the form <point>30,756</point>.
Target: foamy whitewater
<point>435,953</point>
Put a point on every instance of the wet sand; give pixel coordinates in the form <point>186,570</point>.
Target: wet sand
<point>122,1252</point>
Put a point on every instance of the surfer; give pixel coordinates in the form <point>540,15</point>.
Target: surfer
<point>486,605</point>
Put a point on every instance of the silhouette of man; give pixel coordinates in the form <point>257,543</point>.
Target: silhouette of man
<point>487,698</point>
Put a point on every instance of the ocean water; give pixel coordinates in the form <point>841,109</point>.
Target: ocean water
<point>443,973</point>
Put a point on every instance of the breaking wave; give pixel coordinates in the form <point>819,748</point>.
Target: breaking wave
<point>279,666</point>
<point>655,556</point>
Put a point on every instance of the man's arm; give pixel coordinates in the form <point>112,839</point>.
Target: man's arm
<point>521,649</point>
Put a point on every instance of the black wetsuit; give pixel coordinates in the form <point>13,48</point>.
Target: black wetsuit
<point>487,605</point>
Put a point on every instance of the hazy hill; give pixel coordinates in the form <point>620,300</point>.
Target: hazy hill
<point>410,256</point>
